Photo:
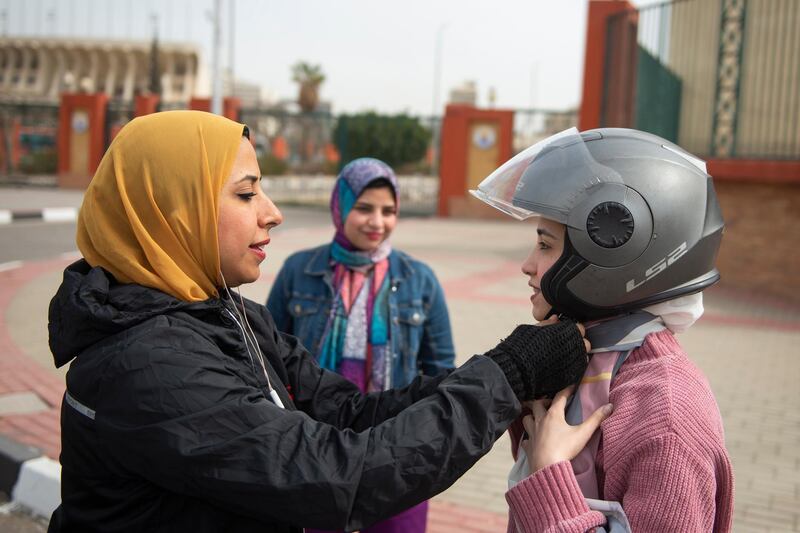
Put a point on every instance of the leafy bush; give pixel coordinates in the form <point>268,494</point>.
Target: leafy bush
<point>271,165</point>
<point>395,139</point>
<point>42,161</point>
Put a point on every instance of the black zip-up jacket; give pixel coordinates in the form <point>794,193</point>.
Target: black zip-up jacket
<point>167,423</point>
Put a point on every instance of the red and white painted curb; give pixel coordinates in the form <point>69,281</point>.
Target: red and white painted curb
<point>32,480</point>
<point>47,214</point>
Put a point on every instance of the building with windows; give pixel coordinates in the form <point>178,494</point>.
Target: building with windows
<point>37,70</point>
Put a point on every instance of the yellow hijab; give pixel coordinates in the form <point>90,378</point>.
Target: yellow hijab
<point>149,215</point>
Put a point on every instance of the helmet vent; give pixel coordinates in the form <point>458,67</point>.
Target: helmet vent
<point>610,224</point>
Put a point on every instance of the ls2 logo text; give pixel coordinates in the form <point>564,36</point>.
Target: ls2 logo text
<point>658,268</point>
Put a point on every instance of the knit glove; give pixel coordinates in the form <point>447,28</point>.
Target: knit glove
<point>539,361</point>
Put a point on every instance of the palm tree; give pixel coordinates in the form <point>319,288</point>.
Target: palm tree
<point>310,77</point>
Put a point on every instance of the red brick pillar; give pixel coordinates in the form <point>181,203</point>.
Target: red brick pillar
<point>16,149</point>
<point>474,142</point>
<point>144,104</point>
<point>81,138</point>
<point>594,62</point>
<point>200,104</point>
<point>230,106</point>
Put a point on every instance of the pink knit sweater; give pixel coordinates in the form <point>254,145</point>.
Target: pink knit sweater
<point>662,455</point>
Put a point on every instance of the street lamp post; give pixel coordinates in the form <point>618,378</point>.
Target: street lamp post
<point>231,50</point>
<point>437,80</point>
<point>437,67</point>
<point>216,79</point>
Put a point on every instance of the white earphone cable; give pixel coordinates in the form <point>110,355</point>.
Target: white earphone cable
<point>251,339</point>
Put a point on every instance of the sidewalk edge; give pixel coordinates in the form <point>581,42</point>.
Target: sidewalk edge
<point>29,478</point>
<point>46,214</point>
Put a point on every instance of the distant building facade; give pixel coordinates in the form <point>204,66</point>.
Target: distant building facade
<point>466,93</point>
<point>37,70</point>
<point>249,94</point>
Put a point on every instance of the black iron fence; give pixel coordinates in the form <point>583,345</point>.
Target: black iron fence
<point>286,142</point>
<point>319,142</point>
<point>719,77</point>
<point>28,135</point>
<point>117,115</point>
<point>292,142</point>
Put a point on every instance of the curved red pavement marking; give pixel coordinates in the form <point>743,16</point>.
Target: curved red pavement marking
<point>11,282</point>
<point>750,322</point>
<point>20,373</point>
<point>447,517</point>
<point>753,297</point>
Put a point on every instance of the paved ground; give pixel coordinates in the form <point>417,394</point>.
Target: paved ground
<point>745,344</point>
<point>16,520</point>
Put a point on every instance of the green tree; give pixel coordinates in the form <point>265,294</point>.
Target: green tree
<point>395,139</point>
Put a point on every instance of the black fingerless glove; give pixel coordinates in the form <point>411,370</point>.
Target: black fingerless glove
<point>541,360</point>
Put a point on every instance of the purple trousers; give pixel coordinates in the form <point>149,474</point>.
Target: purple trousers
<point>409,521</point>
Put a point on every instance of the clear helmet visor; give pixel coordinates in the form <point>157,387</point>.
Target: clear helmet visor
<point>547,179</point>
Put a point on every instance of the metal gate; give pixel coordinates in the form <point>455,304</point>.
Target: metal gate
<point>719,77</point>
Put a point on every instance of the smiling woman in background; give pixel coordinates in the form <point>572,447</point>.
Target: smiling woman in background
<point>367,311</point>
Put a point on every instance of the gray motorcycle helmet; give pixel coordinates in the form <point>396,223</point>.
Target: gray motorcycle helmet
<point>643,224</point>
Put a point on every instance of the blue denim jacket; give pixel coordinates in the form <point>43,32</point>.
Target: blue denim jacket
<point>421,340</point>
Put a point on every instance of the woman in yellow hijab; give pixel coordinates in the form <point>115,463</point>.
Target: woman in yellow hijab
<point>186,410</point>
<point>136,221</point>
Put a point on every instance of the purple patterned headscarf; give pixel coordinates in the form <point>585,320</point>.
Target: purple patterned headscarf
<point>352,181</point>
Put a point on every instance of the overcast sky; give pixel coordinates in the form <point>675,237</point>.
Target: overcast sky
<point>376,54</point>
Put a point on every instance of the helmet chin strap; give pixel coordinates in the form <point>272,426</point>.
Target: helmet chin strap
<point>553,312</point>
<point>554,284</point>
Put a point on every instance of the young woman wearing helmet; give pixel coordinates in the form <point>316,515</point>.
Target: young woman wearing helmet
<point>628,232</point>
